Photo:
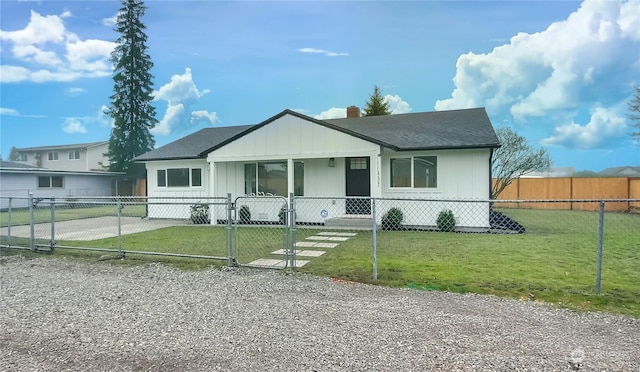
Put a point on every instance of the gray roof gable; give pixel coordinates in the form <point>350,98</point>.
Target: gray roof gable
<point>455,129</point>
<point>195,145</point>
<point>62,147</point>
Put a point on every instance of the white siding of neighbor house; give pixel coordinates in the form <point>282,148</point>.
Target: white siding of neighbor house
<point>20,185</point>
<point>178,199</point>
<point>95,159</point>
<point>90,159</point>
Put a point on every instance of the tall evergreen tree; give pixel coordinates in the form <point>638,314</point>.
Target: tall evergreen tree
<point>13,154</point>
<point>131,107</point>
<point>376,105</point>
<point>634,107</point>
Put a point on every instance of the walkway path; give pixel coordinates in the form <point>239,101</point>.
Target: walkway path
<point>312,245</point>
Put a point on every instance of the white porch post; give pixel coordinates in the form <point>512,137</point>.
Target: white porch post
<point>375,161</point>
<point>290,180</point>
<point>211,192</point>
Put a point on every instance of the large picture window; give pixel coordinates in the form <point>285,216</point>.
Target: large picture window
<point>179,177</point>
<point>50,182</point>
<point>265,178</point>
<point>416,172</point>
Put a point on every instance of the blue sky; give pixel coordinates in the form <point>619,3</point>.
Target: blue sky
<point>559,73</point>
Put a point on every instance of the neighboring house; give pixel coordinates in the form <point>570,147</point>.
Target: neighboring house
<point>18,180</point>
<point>74,157</point>
<point>431,155</point>
<point>553,172</point>
<point>627,171</point>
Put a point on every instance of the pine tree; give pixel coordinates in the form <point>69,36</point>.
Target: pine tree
<point>376,105</point>
<point>13,154</point>
<point>131,107</point>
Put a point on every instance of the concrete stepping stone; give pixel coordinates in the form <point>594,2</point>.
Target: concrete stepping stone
<point>270,263</point>
<point>301,253</point>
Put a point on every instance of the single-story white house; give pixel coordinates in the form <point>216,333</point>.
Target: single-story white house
<point>18,180</point>
<point>429,155</point>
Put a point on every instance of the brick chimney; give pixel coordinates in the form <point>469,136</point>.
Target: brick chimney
<point>353,112</point>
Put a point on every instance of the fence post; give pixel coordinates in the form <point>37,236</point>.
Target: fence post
<point>32,232</point>
<point>119,204</point>
<point>292,233</point>
<point>375,238</point>
<point>600,240</point>
<point>230,259</point>
<point>9,222</point>
<point>52,241</point>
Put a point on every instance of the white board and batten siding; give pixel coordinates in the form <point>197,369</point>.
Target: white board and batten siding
<point>295,139</point>
<point>175,201</point>
<point>462,175</point>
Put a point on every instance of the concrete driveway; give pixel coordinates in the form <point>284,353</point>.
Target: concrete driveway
<point>92,228</point>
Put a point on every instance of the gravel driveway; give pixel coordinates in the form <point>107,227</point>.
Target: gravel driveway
<point>61,314</point>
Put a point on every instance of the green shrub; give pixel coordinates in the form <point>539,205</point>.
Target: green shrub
<point>200,214</point>
<point>446,221</point>
<point>392,220</point>
<point>245,214</point>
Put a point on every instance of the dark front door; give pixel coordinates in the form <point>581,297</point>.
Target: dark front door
<point>358,184</point>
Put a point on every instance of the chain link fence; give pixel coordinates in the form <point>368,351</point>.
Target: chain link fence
<point>458,245</point>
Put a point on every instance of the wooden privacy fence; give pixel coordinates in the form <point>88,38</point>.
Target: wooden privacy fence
<point>572,188</point>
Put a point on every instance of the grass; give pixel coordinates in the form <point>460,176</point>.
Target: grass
<point>22,216</point>
<point>554,262</point>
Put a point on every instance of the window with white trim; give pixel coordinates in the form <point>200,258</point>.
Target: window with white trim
<point>53,155</point>
<point>269,178</point>
<point>50,182</point>
<point>415,172</point>
<point>179,177</point>
<point>22,156</point>
<point>74,155</point>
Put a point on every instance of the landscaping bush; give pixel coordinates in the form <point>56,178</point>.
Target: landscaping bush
<point>392,219</point>
<point>245,214</point>
<point>200,214</point>
<point>446,221</point>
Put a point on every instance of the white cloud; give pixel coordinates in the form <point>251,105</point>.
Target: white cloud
<point>76,91</point>
<point>180,89</point>
<point>583,60</point>
<point>203,116</point>
<point>605,127</point>
<point>110,21</point>
<point>322,51</point>
<point>332,113</point>
<point>179,94</point>
<point>396,104</point>
<point>171,119</point>
<point>9,111</point>
<point>46,51</point>
<point>14,112</point>
<point>73,125</point>
<point>12,74</point>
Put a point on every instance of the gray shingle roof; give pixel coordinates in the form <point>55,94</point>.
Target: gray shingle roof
<point>195,145</point>
<point>469,128</point>
<point>455,129</point>
<point>62,147</point>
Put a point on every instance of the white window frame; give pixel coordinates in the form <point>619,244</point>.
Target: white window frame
<point>412,171</point>
<point>74,155</point>
<point>190,175</point>
<point>52,156</point>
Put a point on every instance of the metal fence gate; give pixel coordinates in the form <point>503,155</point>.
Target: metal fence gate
<point>263,233</point>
